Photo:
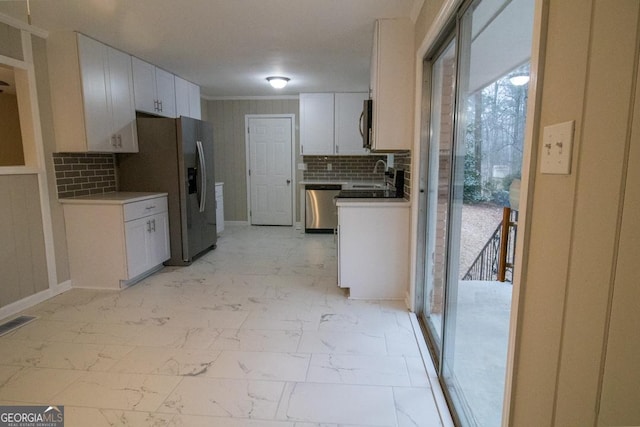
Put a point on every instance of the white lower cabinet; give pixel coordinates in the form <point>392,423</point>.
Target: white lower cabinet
<point>116,239</point>
<point>373,249</point>
<point>147,241</point>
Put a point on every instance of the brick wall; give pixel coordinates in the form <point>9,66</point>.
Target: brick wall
<point>445,140</point>
<point>80,174</point>
<point>403,162</point>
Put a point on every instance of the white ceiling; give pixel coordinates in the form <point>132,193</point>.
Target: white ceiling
<point>229,47</point>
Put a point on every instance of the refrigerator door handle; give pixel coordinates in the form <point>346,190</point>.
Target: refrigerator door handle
<point>203,176</point>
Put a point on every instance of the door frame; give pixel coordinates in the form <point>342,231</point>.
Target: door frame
<point>292,117</point>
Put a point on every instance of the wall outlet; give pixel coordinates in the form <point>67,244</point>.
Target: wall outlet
<point>329,166</point>
<point>302,166</point>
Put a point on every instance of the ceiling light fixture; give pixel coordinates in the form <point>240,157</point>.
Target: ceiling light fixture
<point>519,79</point>
<point>278,82</point>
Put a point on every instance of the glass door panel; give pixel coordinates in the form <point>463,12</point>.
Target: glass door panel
<point>439,175</point>
<point>494,43</point>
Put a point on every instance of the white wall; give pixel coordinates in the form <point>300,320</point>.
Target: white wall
<point>227,117</point>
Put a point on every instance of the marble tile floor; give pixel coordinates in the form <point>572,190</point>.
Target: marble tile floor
<point>255,333</point>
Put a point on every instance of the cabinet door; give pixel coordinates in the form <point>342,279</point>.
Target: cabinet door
<point>97,112</point>
<point>182,97</point>
<point>348,108</point>
<point>144,86</point>
<point>195,109</point>
<point>166,93</point>
<point>122,103</point>
<point>393,56</point>
<point>316,124</point>
<point>138,237</point>
<point>159,239</point>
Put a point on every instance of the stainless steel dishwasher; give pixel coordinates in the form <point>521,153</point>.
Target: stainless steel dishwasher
<point>321,214</point>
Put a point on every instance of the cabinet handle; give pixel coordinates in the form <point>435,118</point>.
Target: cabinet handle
<point>154,225</point>
<point>160,102</point>
<point>150,207</point>
<point>119,140</point>
<point>337,149</point>
<point>155,105</point>
<point>114,143</point>
<point>148,226</point>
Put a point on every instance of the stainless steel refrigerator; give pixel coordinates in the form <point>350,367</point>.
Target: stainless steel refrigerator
<point>176,156</point>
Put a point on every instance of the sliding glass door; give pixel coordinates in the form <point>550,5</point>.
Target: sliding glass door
<point>440,162</point>
<point>474,134</point>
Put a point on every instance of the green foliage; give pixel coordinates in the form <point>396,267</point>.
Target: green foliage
<point>472,190</point>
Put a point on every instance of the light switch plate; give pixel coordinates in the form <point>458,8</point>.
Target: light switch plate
<point>557,145</point>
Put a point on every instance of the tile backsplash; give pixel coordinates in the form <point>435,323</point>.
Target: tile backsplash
<point>403,162</point>
<point>356,168</point>
<point>347,168</point>
<point>81,174</point>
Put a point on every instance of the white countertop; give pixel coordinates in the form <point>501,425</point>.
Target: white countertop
<point>115,198</point>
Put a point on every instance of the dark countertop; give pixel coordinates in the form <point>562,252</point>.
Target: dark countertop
<point>368,194</point>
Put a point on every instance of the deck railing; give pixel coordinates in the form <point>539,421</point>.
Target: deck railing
<point>495,260</point>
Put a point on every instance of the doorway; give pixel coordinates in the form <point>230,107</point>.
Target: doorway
<point>473,126</point>
<point>270,177</point>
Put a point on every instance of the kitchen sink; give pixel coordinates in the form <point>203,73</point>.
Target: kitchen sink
<point>366,186</point>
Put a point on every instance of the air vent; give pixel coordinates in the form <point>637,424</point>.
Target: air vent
<point>14,324</point>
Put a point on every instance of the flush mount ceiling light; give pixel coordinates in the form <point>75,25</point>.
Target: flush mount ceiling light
<point>519,79</point>
<point>278,82</point>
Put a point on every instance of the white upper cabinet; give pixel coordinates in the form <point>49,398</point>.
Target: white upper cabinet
<point>392,84</point>
<point>187,99</point>
<point>195,108</point>
<point>182,97</point>
<point>348,109</point>
<point>123,110</point>
<point>316,124</point>
<point>329,123</point>
<point>154,89</point>
<point>91,95</point>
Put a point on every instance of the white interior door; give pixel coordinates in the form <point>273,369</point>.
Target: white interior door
<point>271,187</point>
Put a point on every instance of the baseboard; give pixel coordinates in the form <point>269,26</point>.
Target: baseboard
<point>28,302</point>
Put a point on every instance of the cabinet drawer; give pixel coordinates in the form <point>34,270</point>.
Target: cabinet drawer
<point>144,208</point>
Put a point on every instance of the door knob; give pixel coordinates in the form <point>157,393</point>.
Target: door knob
<point>288,181</point>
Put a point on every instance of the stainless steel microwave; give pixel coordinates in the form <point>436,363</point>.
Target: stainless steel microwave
<point>366,120</point>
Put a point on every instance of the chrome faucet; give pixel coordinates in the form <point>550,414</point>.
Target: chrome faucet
<point>375,168</point>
